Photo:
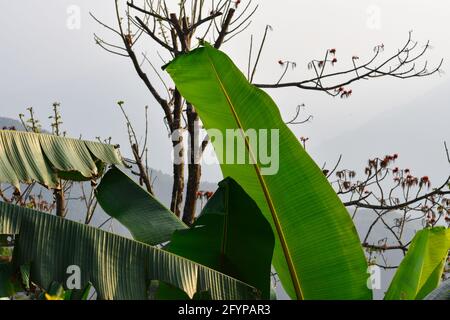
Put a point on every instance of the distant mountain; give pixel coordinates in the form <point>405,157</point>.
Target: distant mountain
<point>8,123</point>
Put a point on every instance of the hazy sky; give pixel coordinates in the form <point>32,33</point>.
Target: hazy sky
<point>42,61</point>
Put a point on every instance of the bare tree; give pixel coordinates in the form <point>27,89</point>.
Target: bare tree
<point>396,197</point>
<point>178,31</point>
<point>401,65</point>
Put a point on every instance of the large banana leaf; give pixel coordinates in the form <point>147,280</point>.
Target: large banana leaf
<point>145,217</point>
<point>231,236</point>
<point>117,267</point>
<point>27,157</point>
<point>317,253</point>
<point>421,270</point>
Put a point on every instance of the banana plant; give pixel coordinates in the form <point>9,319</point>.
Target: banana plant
<point>420,271</point>
<point>231,235</point>
<point>27,157</point>
<point>227,253</point>
<point>117,267</point>
<point>317,254</point>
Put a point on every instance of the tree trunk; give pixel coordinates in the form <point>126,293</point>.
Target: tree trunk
<point>194,166</point>
<point>191,195</point>
<point>177,189</point>
<point>178,166</point>
<point>60,202</point>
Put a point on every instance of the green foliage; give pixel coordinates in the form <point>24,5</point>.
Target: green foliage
<point>145,217</point>
<point>231,236</point>
<point>117,267</point>
<point>25,275</point>
<point>26,157</point>
<point>421,270</point>
<point>8,283</point>
<point>291,217</point>
<point>317,253</point>
<point>5,252</point>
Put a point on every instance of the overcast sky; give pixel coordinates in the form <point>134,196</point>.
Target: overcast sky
<point>42,61</point>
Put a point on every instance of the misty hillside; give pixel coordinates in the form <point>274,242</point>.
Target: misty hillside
<point>415,131</point>
<point>7,122</point>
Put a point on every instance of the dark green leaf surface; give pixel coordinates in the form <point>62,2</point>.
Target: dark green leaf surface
<point>8,287</point>
<point>231,236</point>
<point>421,270</point>
<point>144,216</point>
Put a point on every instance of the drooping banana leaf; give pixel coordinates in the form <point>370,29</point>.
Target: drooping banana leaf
<point>26,157</point>
<point>117,267</point>
<point>231,236</point>
<point>145,217</point>
<point>421,270</point>
<point>441,293</point>
<point>317,253</point>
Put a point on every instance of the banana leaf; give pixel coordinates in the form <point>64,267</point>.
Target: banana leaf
<point>144,216</point>
<point>26,157</point>
<point>421,270</point>
<point>317,252</point>
<point>117,267</point>
<point>231,236</point>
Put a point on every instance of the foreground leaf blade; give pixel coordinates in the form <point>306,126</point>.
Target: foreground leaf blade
<point>231,236</point>
<point>37,157</point>
<point>117,267</point>
<point>144,216</point>
<point>421,269</point>
<point>317,254</point>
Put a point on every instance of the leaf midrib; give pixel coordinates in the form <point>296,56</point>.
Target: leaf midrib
<point>267,195</point>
